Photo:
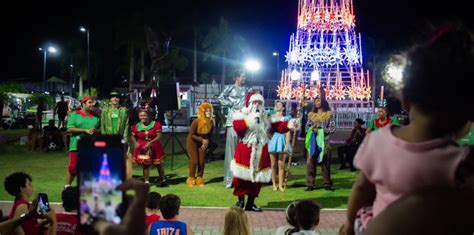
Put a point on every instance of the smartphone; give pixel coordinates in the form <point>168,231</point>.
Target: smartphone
<point>101,168</point>
<point>43,204</point>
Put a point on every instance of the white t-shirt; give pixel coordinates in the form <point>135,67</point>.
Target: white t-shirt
<point>282,229</point>
<point>306,232</point>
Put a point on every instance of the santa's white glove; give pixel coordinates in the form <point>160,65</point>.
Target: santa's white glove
<point>275,118</point>
<point>251,119</point>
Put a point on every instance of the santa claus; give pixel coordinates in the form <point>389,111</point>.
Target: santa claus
<point>251,163</point>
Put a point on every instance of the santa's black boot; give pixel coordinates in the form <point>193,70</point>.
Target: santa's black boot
<point>241,202</point>
<point>251,205</point>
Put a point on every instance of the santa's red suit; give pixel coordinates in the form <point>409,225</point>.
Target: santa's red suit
<point>251,163</point>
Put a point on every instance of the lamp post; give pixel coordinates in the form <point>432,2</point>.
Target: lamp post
<point>277,55</point>
<point>89,75</point>
<point>71,80</point>
<point>45,51</point>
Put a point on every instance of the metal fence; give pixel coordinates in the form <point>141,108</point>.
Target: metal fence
<point>346,111</point>
<point>345,119</point>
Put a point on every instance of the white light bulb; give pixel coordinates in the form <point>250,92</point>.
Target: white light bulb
<point>315,75</point>
<point>52,49</point>
<point>295,75</point>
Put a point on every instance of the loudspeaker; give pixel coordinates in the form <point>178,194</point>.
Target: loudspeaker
<point>168,98</point>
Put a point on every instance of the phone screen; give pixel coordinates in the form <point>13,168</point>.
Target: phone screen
<point>43,203</point>
<point>101,169</point>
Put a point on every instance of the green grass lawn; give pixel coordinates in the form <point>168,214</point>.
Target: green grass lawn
<point>14,133</point>
<point>48,173</point>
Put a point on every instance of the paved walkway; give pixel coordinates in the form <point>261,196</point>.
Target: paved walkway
<point>210,221</point>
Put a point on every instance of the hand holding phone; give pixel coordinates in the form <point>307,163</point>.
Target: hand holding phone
<point>134,216</point>
<point>43,204</point>
<point>101,168</point>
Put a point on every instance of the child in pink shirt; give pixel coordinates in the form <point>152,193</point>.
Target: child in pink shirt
<point>395,161</point>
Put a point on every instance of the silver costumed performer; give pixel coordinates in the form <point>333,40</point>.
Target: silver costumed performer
<point>232,97</point>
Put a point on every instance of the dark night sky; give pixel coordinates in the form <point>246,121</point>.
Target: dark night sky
<point>266,25</point>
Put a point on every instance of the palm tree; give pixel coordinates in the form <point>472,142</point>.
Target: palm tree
<point>3,100</point>
<point>220,43</point>
<point>198,26</point>
<point>74,54</point>
<point>42,101</point>
<point>374,61</point>
<point>130,33</point>
<point>158,48</point>
<point>172,63</point>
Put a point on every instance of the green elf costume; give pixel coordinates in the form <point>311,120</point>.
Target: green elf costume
<point>114,121</point>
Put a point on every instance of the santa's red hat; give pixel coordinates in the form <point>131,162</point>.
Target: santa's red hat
<point>256,97</point>
<point>247,98</point>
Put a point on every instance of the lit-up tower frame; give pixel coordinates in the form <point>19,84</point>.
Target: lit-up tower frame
<point>325,52</point>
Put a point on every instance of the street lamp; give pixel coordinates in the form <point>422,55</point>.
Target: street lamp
<point>252,65</point>
<point>51,50</point>
<point>89,75</point>
<point>71,80</point>
<point>277,55</point>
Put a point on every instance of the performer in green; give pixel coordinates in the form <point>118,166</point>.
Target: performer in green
<point>114,118</point>
<point>114,121</point>
<point>382,120</point>
<point>81,122</point>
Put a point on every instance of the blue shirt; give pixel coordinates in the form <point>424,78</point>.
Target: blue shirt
<point>168,227</point>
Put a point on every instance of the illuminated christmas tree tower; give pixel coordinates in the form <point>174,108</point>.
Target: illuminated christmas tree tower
<point>105,182</point>
<point>326,52</point>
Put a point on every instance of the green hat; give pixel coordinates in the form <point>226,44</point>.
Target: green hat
<point>114,94</point>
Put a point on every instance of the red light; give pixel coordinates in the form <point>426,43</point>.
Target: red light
<point>100,144</point>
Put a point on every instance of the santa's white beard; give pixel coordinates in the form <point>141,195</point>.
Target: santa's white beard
<point>252,108</point>
<point>258,132</point>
